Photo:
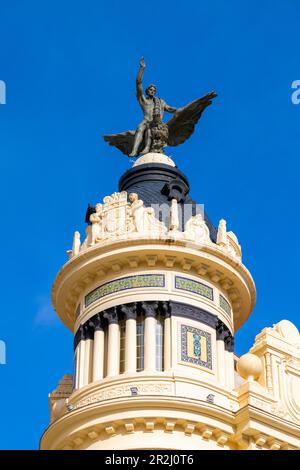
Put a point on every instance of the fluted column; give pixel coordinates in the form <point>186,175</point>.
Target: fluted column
<point>81,351</point>
<point>221,358</point>
<point>150,310</point>
<point>113,346</point>
<point>98,353</point>
<point>130,337</point>
<point>229,343</point>
<point>166,309</point>
<point>88,354</point>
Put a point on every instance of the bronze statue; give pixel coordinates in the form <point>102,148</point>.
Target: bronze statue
<point>152,134</point>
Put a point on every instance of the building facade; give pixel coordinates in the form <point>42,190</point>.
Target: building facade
<point>154,295</point>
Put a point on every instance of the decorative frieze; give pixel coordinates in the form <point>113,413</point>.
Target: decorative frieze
<point>195,287</point>
<point>129,282</point>
<point>125,391</point>
<point>225,305</point>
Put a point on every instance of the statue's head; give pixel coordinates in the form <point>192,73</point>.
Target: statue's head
<point>151,90</point>
<point>133,197</point>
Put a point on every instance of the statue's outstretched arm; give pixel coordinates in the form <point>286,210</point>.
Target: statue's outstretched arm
<point>170,109</point>
<point>139,80</point>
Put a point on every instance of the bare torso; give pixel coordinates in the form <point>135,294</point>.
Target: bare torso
<point>147,105</point>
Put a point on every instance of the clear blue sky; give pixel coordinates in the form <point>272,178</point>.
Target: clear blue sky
<point>70,68</point>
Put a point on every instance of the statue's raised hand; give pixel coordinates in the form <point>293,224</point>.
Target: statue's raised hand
<point>142,62</point>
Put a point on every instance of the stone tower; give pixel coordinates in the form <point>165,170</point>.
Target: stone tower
<point>154,295</point>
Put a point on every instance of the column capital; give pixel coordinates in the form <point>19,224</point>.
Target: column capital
<point>89,329</point>
<point>111,315</point>
<point>221,331</point>
<point>81,332</point>
<point>79,336</point>
<point>229,342</point>
<point>165,308</point>
<point>129,310</point>
<point>98,322</point>
<point>149,308</point>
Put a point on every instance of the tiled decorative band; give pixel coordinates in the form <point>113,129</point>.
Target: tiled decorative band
<point>225,305</point>
<point>195,287</point>
<point>124,283</point>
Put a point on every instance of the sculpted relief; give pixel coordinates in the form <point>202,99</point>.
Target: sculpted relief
<point>125,216</point>
<point>144,217</point>
<point>196,229</point>
<point>118,216</point>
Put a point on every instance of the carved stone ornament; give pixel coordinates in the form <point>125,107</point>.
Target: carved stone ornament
<point>144,217</point>
<point>197,230</point>
<point>122,216</point>
<point>123,391</point>
<point>118,217</point>
<point>228,241</point>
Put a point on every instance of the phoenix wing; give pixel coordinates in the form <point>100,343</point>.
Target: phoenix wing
<point>123,141</point>
<point>182,124</point>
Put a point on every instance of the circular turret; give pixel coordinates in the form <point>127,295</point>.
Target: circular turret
<point>153,296</point>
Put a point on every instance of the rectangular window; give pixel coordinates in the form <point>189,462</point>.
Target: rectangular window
<point>159,330</point>
<point>122,345</point>
<point>140,328</point>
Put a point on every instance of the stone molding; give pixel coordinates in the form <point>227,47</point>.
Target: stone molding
<point>220,433</point>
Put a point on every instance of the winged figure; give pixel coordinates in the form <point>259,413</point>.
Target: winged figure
<point>152,134</point>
